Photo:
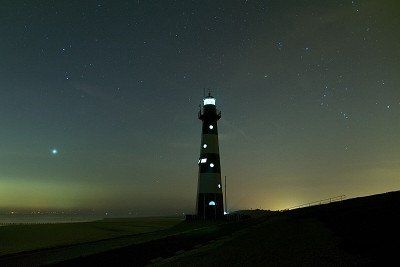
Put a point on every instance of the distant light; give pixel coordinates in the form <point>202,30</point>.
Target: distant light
<point>211,203</point>
<point>205,146</point>
<point>219,185</point>
<point>225,213</point>
<point>54,151</point>
<point>209,101</point>
<point>212,165</point>
<point>211,127</point>
<point>203,160</point>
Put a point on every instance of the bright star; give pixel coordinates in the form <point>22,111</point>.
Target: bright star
<point>54,151</point>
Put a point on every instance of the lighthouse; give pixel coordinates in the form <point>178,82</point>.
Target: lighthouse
<point>210,202</point>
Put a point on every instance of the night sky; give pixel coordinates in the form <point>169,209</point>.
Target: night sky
<point>99,101</point>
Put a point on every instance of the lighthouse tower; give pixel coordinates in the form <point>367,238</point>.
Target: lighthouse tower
<point>210,202</point>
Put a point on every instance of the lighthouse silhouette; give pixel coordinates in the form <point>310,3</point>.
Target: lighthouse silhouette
<point>210,202</point>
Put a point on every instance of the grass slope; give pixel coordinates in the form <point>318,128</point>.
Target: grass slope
<point>361,231</point>
<point>18,238</point>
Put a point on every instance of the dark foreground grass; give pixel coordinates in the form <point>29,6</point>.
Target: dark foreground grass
<point>197,233</point>
<point>18,238</point>
<point>362,231</point>
<point>118,234</point>
<point>277,241</point>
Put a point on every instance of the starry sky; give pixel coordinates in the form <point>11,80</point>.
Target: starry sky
<point>99,101</point>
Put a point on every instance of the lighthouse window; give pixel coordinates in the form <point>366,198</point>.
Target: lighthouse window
<point>212,165</point>
<point>203,160</point>
<point>205,146</point>
<point>209,101</point>
<point>211,203</point>
<point>211,127</point>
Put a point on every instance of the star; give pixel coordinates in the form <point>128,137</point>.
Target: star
<point>54,151</point>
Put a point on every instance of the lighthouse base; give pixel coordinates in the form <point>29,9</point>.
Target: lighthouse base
<point>210,206</point>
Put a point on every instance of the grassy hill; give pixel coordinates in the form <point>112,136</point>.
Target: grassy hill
<point>38,244</point>
<point>360,231</point>
<point>18,238</point>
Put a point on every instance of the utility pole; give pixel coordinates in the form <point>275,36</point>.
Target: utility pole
<point>226,200</point>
